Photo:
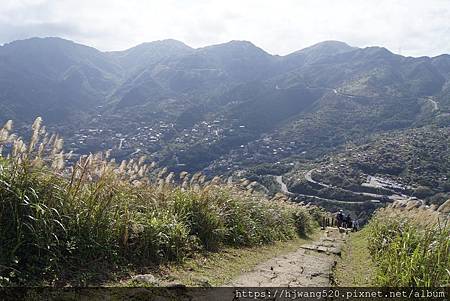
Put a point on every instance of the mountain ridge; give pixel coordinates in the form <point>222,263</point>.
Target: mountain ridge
<point>175,41</point>
<point>206,108</point>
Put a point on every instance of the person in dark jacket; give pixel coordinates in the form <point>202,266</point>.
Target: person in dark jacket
<point>348,221</point>
<point>339,219</point>
<point>355,225</point>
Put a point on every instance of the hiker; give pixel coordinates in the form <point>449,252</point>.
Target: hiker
<point>348,221</point>
<point>339,218</point>
<point>355,225</point>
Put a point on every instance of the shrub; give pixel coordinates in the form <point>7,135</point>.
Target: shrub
<point>202,213</point>
<point>158,236</point>
<point>303,221</point>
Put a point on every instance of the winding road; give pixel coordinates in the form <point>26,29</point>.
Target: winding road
<point>284,189</point>
<point>308,176</point>
<point>433,102</point>
<point>393,197</point>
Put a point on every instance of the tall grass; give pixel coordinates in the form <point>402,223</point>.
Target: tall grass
<point>58,218</point>
<point>408,252</point>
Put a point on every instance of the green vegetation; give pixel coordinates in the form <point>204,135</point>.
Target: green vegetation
<point>355,268</point>
<point>58,224</point>
<point>398,248</point>
<point>407,252</point>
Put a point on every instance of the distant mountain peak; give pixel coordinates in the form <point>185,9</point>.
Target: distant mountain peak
<point>377,49</point>
<point>332,43</point>
<point>318,52</point>
<point>149,53</point>
<point>47,45</point>
<point>236,47</point>
<point>34,39</point>
<point>376,52</point>
<point>165,42</point>
<point>44,40</point>
<point>159,44</point>
<point>327,47</point>
<point>240,43</point>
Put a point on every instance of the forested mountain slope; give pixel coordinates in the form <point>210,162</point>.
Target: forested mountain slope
<point>223,107</point>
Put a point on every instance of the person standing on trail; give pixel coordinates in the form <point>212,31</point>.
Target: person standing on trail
<point>339,218</point>
<point>355,225</point>
<point>348,221</point>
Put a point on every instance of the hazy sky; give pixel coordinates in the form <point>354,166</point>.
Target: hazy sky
<point>411,27</point>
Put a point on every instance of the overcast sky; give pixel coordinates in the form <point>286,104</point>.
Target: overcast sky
<point>409,27</point>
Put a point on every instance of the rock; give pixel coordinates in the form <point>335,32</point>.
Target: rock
<point>145,278</point>
<point>444,208</point>
<point>174,285</point>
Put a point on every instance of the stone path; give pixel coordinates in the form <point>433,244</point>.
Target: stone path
<point>310,265</point>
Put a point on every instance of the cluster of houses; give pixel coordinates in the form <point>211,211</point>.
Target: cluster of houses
<point>264,150</point>
<point>147,137</point>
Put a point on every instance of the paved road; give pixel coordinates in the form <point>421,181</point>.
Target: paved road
<point>433,102</point>
<point>283,186</point>
<point>284,189</point>
<point>308,177</point>
<point>393,197</point>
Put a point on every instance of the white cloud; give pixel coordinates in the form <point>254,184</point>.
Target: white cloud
<point>413,27</point>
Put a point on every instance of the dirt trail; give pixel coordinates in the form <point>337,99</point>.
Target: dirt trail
<point>310,265</point>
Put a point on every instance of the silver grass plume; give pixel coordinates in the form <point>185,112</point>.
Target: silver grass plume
<point>169,178</point>
<point>8,125</point>
<point>216,180</point>
<point>195,177</point>
<point>36,127</point>
<point>162,172</point>
<point>183,174</point>
<point>202,179</point>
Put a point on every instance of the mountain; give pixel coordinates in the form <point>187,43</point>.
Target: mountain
<point>220,108</point>
<point>148,54</point>
<point>53,78</point>
<point>316,52</point>
<point>358,93</point>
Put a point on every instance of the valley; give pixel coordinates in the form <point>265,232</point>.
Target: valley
<point>235,110</point>
<point>224,150</point>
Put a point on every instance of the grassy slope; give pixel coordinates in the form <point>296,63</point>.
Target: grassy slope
<point>355,267</point>
<point>97,220</point>
<point>394,250</point>
<point>411,247</point>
